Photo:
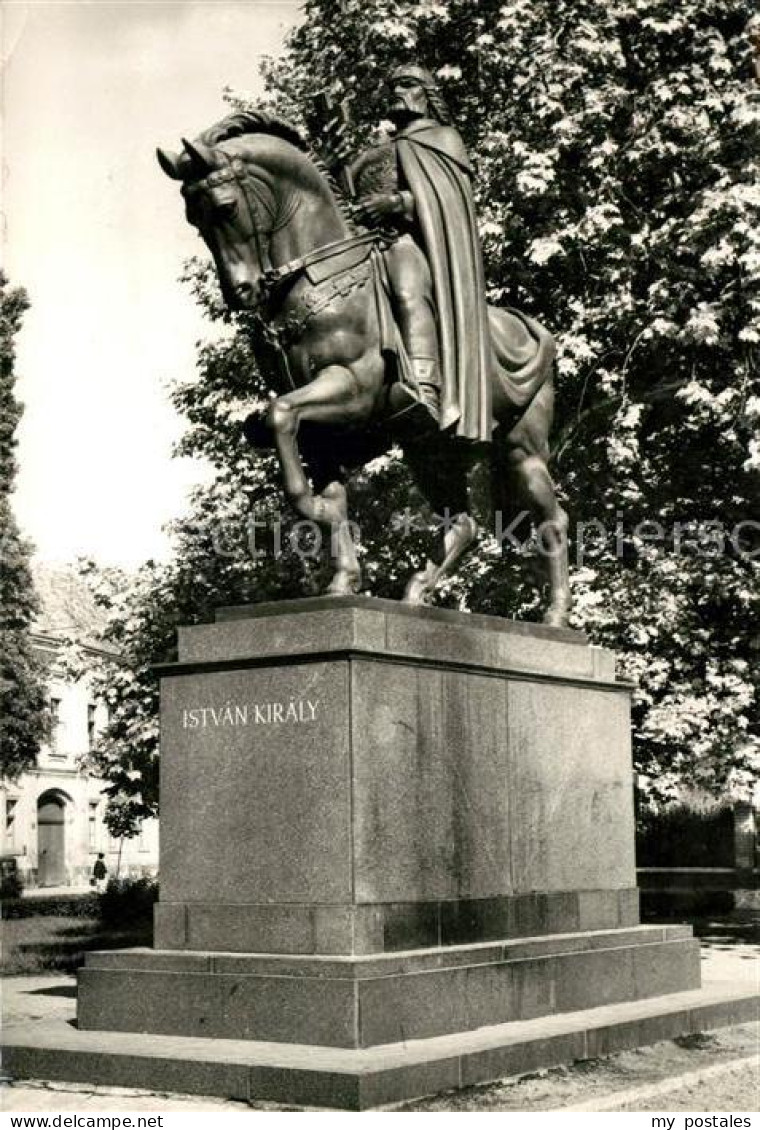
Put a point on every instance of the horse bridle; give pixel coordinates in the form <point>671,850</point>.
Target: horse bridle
<point>339,267</point>
<point>257,205</point>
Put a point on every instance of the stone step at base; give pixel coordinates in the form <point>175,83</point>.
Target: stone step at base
<point>362,1079</point>
<point>360,1002</point>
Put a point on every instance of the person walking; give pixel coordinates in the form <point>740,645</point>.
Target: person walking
<point>99,873</point>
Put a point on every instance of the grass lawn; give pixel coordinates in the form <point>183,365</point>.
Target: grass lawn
<point>57,944</point>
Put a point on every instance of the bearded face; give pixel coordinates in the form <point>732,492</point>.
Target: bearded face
<point>408,99</point>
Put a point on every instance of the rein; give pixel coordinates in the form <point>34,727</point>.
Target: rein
<point>277,276</point>
<point>334,272</point>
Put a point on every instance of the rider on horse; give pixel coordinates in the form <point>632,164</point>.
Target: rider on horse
<point>419,184</point>
<point>320,294</point>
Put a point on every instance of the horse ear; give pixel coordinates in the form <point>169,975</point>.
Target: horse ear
<point>169,162</point>
<point>201,156</point>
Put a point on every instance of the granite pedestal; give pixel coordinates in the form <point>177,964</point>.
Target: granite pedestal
<point>353,777</point>
<point>382,824</point>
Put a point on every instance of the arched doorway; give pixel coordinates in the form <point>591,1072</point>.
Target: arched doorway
<point>51,840</point>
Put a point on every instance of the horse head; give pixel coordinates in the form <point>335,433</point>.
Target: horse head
<point>245,183</point>
<point>232,209</point>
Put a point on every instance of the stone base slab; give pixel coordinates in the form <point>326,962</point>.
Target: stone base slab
<point>361,1002</point>
<point>361,1079</point>
<point>372,928</point>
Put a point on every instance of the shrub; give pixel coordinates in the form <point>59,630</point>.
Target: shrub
<point>126,900</point>
<point>11,886</point>
<point>682,905</point>
<point>52,906</point>
<point>683,836</point>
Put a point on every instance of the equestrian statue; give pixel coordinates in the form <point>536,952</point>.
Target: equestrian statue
<point>365,284</point>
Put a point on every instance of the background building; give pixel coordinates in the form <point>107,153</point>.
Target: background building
<point>53,815</point>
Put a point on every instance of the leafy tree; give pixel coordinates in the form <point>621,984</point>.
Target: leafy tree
<point>615,144</point>
<point>616,148</point>
<point>229,549</point>
<point>23,710</point>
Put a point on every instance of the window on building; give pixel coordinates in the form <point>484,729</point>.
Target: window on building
<point>10,820</point>
<point>91,732</point>
<point>55,729</point>
<point>93,826</point>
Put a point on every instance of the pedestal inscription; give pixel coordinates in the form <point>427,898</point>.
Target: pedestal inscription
<point>256,788</point>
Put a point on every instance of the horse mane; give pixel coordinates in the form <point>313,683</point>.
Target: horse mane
<point>254,121</point>
<point>245,122</point>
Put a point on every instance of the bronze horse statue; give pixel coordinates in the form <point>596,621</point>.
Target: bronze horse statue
<point>287,251</point>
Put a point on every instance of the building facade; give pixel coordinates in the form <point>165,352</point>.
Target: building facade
<point>53,815</point>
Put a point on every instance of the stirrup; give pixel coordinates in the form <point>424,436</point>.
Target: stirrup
<point>430,396</point>
<point>412,405</point>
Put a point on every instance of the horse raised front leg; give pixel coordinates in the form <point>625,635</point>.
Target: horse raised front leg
<point>331,398</point>
<point>458,538</point>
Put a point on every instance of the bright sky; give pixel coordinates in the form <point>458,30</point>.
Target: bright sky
<point>96,234</point>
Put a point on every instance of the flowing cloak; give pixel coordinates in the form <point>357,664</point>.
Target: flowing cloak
<point>434,164</point>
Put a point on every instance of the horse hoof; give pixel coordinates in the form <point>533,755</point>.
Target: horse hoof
<point>556,619</point>
<point>417,592</point>
<point>344,584</point>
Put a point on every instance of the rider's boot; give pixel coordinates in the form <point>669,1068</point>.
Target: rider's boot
<point>415,407</point>
<point>427,374</point>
